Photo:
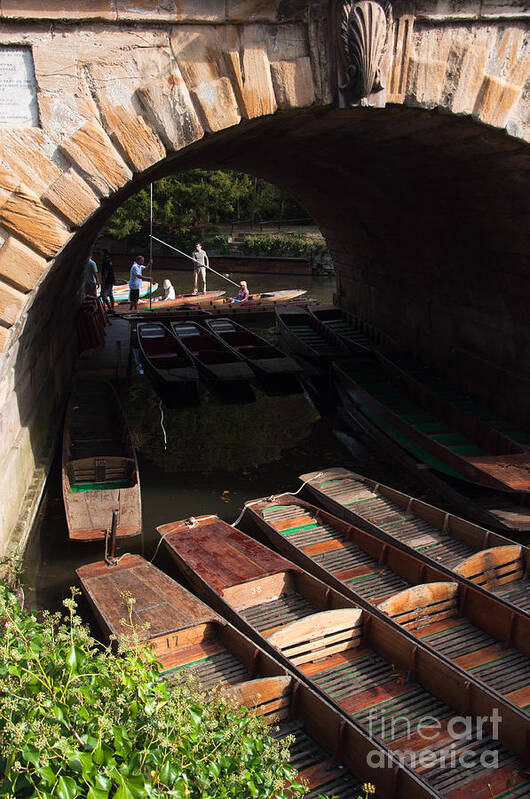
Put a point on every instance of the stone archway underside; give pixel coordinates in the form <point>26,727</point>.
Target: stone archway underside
<point>421,193</point>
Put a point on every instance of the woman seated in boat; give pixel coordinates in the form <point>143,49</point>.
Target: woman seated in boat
<point>243,294</point>
<point>169,292</point>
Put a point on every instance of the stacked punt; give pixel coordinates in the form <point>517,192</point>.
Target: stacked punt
<point>459,545</point>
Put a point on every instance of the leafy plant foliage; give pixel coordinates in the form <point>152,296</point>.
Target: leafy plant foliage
<point>77,721</point>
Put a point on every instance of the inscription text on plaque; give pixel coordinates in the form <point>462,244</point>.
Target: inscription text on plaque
<point>18,89</point>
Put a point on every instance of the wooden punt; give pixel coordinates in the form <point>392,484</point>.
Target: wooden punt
<point>356,334</point>
<point>191,300</point>
<point>99,468</point>
<point>267,362</point>
<point>298,331</point>
<point>258,302</point>
<point>431,428</point>
<point>216,362</point>
<point>120,291</point>
<point>329,752</point>
<point>475,630</point>
<point>168,364</point>
<point>438,538</point>
<point>444,388</point>
<point>361,661</point>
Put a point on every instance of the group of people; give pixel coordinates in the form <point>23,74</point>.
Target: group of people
<point>108,280</point>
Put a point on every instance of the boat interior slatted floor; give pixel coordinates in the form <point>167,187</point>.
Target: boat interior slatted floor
<point>347,331</point>
<point>467,404</point>
<point>505,670</point>
<point>369,688</point>
<point>413,531</point>
<point>312,338</point>
<point>314,764</point>
<point>346,561</point>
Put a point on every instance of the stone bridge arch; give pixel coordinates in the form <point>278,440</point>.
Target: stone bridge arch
<point>130,91</point>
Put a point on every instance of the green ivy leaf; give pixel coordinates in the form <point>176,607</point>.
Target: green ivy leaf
<point>31,755</point>
<point>66,788</point>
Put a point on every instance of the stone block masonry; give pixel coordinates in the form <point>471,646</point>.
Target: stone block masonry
<point>420,189</point>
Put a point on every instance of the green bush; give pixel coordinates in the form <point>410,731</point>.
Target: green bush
<point>282,244</point>
<point>77,721</point>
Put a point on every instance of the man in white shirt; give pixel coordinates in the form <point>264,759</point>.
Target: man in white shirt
<point>135,281</point>
<point>199,267</point>
<point>91,281</point>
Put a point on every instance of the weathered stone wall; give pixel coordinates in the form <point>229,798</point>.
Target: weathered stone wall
<point>420,193</point>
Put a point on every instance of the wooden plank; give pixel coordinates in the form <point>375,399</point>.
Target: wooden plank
<point>176,607</point>
<point>420,598</point>
<point>222,555</point>
<point>487,560</point>
<point>253,693</point>
<point>257,592</point>
<point>316,626</point>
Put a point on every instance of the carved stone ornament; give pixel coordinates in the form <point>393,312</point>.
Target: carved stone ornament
<point>363,31</point>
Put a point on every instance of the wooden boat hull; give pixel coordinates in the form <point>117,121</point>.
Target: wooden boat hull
<point>437,538</point>
<point>186,300</point>
<point>472,627</point>
<point>270,365</point>
<point>498,510</point>
<point>461,455</point>
<point>100,470</point>
<point>120,292</point>
<point>168,365</point>
<point>351,656</point>
<point>213,359</point>
<point>355,334</point>
<point>298,331</point>
<point>187,636</point>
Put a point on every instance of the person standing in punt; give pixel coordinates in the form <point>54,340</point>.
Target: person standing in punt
<point>199,268</point>
<point>135,281</point>
<point>107,282</point>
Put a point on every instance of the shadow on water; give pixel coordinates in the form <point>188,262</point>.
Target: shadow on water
<point>207,459</point>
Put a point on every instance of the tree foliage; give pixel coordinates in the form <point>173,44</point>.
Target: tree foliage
<point>197,198</point>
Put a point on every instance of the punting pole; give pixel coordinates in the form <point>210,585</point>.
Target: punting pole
<point>151,248</point>
<point>192,259</point>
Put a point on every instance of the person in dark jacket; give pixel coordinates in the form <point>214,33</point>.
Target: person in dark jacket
<point>107,282</point>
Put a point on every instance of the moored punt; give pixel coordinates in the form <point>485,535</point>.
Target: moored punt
<point>365,664</point>
<point>168,364</point>
<point>358,335</point>
<point>266,361</point>
<point>216,362</point>
<point>298,330</point>
<point>192,300</point>
<point>120,291</point>
<point>476,630</point>
<point>99,467</point>
<point>187,637</point>
<point>429,427</point>
<point>258,302</point>
<point>439,538</point>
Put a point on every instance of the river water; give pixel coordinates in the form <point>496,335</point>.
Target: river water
<point>207,459</point>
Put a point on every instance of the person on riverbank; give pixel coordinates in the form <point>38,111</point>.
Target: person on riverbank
<point>91,279</point>
<point>243,293</point>
<point>135,281</point>
<point>199,268</point>
<point>107,282</point>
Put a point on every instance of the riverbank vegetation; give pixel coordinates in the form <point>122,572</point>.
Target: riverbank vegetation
<point>205,203</point>
<point>77,721</point>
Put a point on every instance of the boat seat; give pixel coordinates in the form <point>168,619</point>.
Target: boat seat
<point>422,605</point>
<point>223,326</point>
<point>320,635</point>
<point>99,471</point>
<point>492,567</point>
<point>153,331</point>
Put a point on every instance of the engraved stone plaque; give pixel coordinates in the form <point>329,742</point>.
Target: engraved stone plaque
<point>18,89</point>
